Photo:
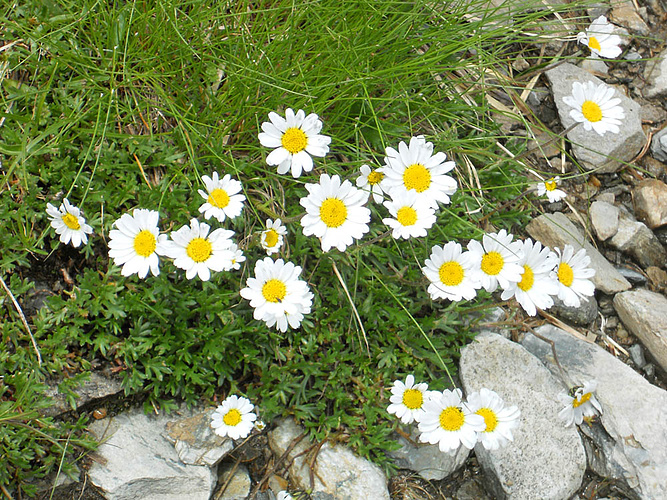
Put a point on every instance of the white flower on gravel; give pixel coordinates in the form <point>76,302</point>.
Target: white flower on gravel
<point>550,188</point>
<point>221,197</point>
<point>537,283</point>
<point>595,107</point>
<point>277,294</point>
<point>372,181</point>
<point>335,212</point>
<point>448,422</point>
<point>69,223</point>
<point>283,495</point>
<point>453,274</point>
<point>498,418</point>
<point>295,138</point>
<point>272,237</point>
<point>598,37</point>
<point>573,276</point>
<point>198,252</point>
<point>583,404</point>
<point>412,215</point>
<point>136,243</point>
<point>234,418</point>
<point>236,258</point>
<point>407,400</point>
<point>497,258</point>
<point>415,167</point>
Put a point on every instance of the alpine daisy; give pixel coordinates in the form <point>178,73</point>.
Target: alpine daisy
<point>412,215</point>
<point>407,400</point>
<point>136,243</point>
<point>277,294</point>
<point>595,107</point>
<point>295,138</point>
<point>236,259</point>
<point>335,212</point>
<point>599,39</point>
<point>284,495</point>
<point>499,419</point>
<point>372,181</point>
<point>69,223</point>
<point>452,273</point>
<point>221,197</point>
<point>581,404</point>
<point>497,258</point>
<point>573,276</point>
<point>550,188</point>
<point>233,418</point>
<point>198,252</point>
<point>272,237</point>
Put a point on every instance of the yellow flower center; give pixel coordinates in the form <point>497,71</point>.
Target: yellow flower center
<point>199,249</point>
<point>71,221</point>
<point>218,198</point>
<point>550,185</point>
<point>451,273</point>
<point>144,243</point>
<point>271,238</point>
<point>585,397</point>
<point>527,279</point>
<point>375,177</point>
<point>333,212</point>
<point>490,418</point>
<point>294,140</point>
<point>407,216</point>
<point>492,263</point>
<point>451,418</point>
<point>593,43</point>
<point>232,417</point>
<point>417,177</point>
<point>274,290</point>
<point>591,111</point>
<point>565,274</point>
<point>413,399</point>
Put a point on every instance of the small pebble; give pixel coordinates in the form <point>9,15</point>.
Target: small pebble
<point>637,355</point>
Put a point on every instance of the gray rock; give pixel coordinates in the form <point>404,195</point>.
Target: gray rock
<point>195,441</point>
<point>607,152</point>
<point>546,460</point>
<point>238,486</point>
<point>604,219</point>
<point>649,198</point>
<point>659,145</point>
<point>624,13</point>
<point>339,473</point>
<point>636,239</point>
<point>556,230</point>
<point>471,490</point>
<point>644,313</point>
<point>653,114</point>
<point>136,461</point>
<point>583,315</point>
<point>637,354</point>
<point>96,387</point>
<point>633,410</point>
<point>632,276</point>
<point>655,74</point>
<point>595,66</point>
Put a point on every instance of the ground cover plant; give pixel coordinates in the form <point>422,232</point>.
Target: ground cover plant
<point>136,104</point>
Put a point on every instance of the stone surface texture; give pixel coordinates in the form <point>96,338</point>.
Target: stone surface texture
<point>238,486</point>
<point>556,230</point>
<point>624,13</point>
<point>546,460</point>
<point>655,73</point>
<point>605,153</point>
<point>659,145</point>
<point>195,441</point>
<point>136,461</point>
<point>97,387</point>
<point>650,202</point>
<point>644,313</point>
<point>604,219</point>
<point>637,240</point>
<point>583,315</point>
<point>632,439</point>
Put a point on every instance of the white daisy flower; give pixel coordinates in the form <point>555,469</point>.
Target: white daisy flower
<point>537,284</point>
<point>236,258</point>
<point>372,181</point>
<point>550,188</point>
<point>295,138</point>
<point>233,418</point>
<point>594,107</point>
<point>598,37</point>
<point>415,167</point>
<point>573,276</point>
<point>221,197</point>
<point>497,258</point>
<point>499,419</point>
<point>413,216</point>
<point>69,223</point>
<point>407,400</point>
<point>335,212</point>
<point>277,294</point>
<point>449,422</point>
<point>272,237</point>
<point>283,495</point>
<point>136,243</point>
<point>453,274</point>
<point>198,252</point>
<point>583,404</point>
